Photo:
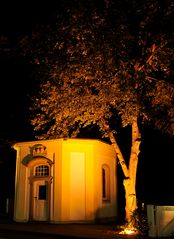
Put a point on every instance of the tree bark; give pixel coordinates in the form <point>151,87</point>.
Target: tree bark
<point>130,183</point>
<point>131,171</point>
<point>119,155</point>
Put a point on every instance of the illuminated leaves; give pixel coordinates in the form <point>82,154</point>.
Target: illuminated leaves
<point>101,67</point>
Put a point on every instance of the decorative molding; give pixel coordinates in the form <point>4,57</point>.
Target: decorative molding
<point>38,150</point>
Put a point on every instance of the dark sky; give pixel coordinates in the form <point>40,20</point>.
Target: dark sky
<point>21,16</point>
<point>16,19</point>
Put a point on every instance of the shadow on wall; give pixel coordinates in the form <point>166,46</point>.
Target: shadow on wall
<point>7,181</point>
<point>104,220</point>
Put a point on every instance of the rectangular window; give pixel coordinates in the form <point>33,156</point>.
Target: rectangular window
<point>42,192</point>
<point>42,171</point>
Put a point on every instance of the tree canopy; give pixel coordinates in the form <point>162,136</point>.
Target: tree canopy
<point>102,63</point>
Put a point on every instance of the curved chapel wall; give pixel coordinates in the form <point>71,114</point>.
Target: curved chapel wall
<point>105,157</point>
<point>88,155</point>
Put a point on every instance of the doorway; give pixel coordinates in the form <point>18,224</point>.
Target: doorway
<point>41,200</point>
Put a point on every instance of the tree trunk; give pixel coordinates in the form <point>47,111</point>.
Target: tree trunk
<point>131,171</point>
<point>130,183</point>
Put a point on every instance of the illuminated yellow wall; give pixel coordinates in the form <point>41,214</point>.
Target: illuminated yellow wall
<point>105,155</point>
<point>81,147</point>
<point>76,180</point>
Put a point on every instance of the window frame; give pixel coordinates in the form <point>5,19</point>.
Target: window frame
<point>42,172</point>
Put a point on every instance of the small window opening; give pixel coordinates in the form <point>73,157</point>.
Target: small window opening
<point>105,183</point>
<point>42,171</point>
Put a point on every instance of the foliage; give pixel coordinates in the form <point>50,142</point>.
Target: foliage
<point>139,221</point>
<point>96,66</point>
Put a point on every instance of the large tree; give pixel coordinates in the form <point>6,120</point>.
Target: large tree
<point>100,66</point>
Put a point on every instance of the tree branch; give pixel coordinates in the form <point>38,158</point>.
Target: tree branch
<point>137,67</point>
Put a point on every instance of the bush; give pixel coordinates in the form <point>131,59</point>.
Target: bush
<point>139,221</point>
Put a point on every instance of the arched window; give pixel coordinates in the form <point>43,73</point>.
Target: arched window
<point>41,171</point>
<point>105,183</point>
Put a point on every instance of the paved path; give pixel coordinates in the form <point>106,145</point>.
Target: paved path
<point>86,231</point>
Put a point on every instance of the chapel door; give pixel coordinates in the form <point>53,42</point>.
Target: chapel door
<point>41,200</point>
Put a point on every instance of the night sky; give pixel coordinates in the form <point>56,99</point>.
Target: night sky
<point>156,166</point>
<point>17,84</point>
